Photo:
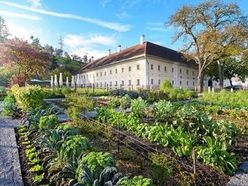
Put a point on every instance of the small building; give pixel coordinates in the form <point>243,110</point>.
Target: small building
<point>144,66</point>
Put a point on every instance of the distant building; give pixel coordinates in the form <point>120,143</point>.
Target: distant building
<point>144,65</point>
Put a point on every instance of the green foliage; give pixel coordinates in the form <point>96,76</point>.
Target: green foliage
<point>214,152</point>
<point>164,111</point>
<point>29,97</point>
<point>48,122</point>
<point>161,168</point>
<point>9,105</point>
<point>135,181</point>
<point>73,147</point>
<point>38,178</point>
<point>125,102</point>
<point>96,162</point>
<point>165,85</point>
<point>36,168</point>
<point>138,107</point>
<point>234,99</point>
<point>114,102</point>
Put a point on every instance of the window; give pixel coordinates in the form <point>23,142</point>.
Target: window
<point>84,76</point>
<point>101,84</point>
<point>90,75</point>
<point>151,66</point>
<point>158,67</point>
<point>97,74</point>
<point>138,67</point>
<point>129,68</point>
<point>180,71</point>
<point>110,72</point>
<point>110,84</point>
<point>122,69</point>
<point>129,82</point>
<point>187,83</point>
<point>180,82</point>
<point>159,81</point>
<point>122,83</point>
<point>151,81</point>
<point>116,71</point>
<point>172,82</point>
<point>101,74</point>
<point>105,84</point>
<point>105,73</point>
<point>165,69</point>
<point>172,70</point>
<point>193,73</point>
<point>138,82</point>
<point>187,72</point>
<point>193,83</point>
<point>116,83</point>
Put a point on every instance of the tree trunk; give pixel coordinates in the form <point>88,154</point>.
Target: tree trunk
<point>221,74</point>
<point>200,79</point>
<point>230,80</point>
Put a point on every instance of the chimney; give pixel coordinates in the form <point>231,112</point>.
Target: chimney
<point>142,39</point>
<point>119,48</point>
<point>92,58</point>
<point>109,52</point>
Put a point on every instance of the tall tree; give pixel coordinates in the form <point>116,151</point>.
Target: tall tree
<point>27,59</point>
<point>211,31</point>
<point>4,33</point>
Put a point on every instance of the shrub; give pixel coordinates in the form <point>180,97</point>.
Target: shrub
<point>48,122</point>
<point>125,102</point>
<point>9,105</point>
<point>96,162</point>
<point>29,97</point>
<point>164,110</point>
<point>114,102</point>
<point>165,85</point>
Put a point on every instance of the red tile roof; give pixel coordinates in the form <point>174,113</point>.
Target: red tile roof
<point>147,48</point>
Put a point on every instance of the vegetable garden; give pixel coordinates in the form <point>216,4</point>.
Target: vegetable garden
<point>137,138</point>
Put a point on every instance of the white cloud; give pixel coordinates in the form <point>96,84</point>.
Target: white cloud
<point>111,25</point>
<point>89,40</point>
<point>35,3</point>
<point>19,15</point>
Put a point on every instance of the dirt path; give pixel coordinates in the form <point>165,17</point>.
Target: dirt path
<point>10,171</point>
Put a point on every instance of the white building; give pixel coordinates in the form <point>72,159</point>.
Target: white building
<point>144,65</point>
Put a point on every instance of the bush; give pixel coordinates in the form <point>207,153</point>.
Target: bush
<point>48,122</point>
<point>164,111</point>
<point>125,102</point>
<point>165,85</point>
<point>9,105</point>
<point>29,97</point>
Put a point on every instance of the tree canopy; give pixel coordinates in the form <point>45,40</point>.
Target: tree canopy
<point>212,30</point>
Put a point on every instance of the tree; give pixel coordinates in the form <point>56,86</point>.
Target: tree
<point>211,30</point>
<point>4,33</point>
<point>27,59</point>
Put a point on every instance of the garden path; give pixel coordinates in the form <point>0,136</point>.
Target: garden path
<point>10,171</point>
<point>241,177</point>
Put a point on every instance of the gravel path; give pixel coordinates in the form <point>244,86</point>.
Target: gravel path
<point>241,177</point>
<point>10,171</point>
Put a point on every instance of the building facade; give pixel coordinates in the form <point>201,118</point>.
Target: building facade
<point>144,65</point>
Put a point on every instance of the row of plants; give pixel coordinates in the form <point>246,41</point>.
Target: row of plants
<point>181,128</point>
<point>58,154</point>
<point>233,99</point>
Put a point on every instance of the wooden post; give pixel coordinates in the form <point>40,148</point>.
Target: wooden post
<point>194,164</point>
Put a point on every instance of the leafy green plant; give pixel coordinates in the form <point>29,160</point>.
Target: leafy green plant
<point>135,181</point>
<point>214,152</point>
<point>48,122</point>
<point>125,102</point>
<point>164,111</point>
<point>96,162</point>
<point>36,168</point>
<point>138,107</point>
<point>73,147</point>
<point>114,102</point>
<point>9,105</point>
<point>38,178</point>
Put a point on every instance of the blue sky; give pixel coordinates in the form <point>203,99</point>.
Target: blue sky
<point>93,26</point>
